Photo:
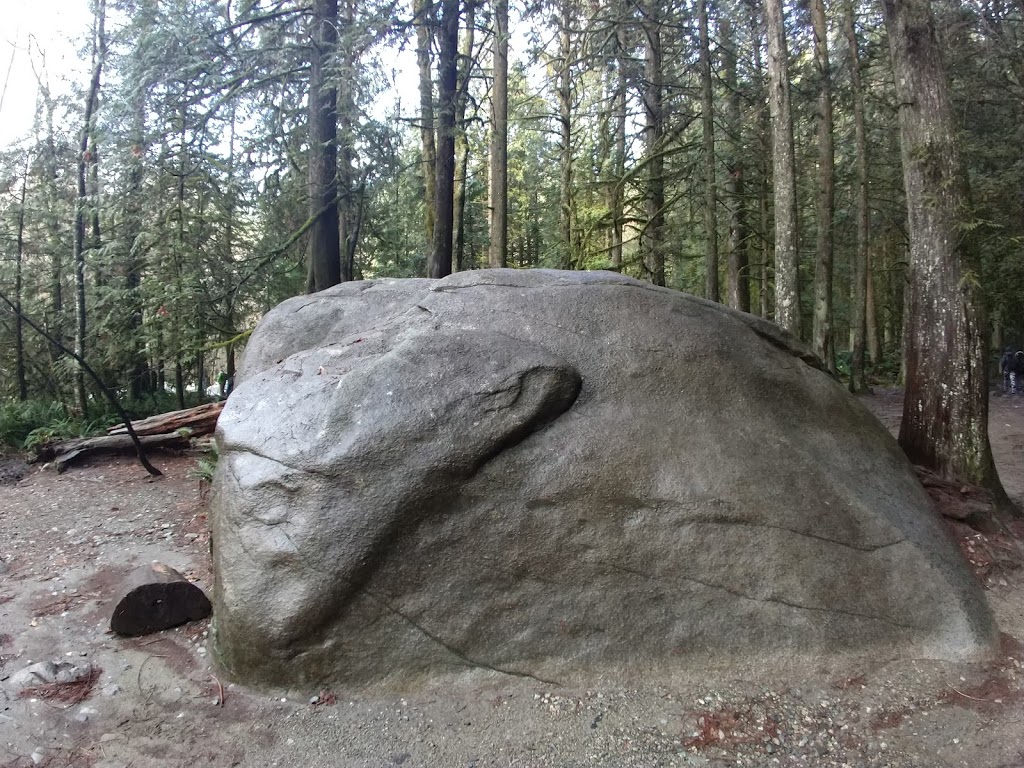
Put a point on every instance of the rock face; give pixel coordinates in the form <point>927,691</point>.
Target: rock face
<point>565,476</point>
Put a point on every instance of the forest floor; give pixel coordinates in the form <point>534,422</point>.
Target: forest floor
<point>66,541</point>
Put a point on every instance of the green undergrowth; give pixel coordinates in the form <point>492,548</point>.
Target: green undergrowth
<point>206,464</point>
<point>26,425</point>
<point>18,420</point>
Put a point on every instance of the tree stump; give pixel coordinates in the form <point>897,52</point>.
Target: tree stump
<point>157,597</point>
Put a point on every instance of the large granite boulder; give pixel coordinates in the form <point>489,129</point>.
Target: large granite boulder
<point>562,476</point>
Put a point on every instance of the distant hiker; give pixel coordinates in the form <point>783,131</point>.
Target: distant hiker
<point>1011,366</point>
<point>222,380</point>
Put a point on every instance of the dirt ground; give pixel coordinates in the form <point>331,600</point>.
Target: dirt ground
<point>67,541</point>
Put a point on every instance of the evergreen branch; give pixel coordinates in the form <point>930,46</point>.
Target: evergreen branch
<point>224,344</point>
<point>275,252</point>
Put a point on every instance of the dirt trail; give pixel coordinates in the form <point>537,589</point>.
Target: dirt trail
<point>66,541</point>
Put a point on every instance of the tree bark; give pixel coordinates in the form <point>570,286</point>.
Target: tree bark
<point>756,10</point>
<point>711,290</point>
<point>349,188</point>
<point>874,342</point>
<point>424,21</point>
<point>156,597</point>
<point>738,279</point>
<point>652,247</point>
<point>53,218</point>
<point>822,341</point>
<point>200,420</point>
<point>859,285</point>
<point>787,285</point>
<point>54,318</point>
<point>461,139</point>
<point>945,412</point>
<point>68,452</point>
<point>498,252</point>
<point>324,250</point>
<point>178,312</point>
<point>439,263</point>
<point>19,323</point>
<point>132,317</point>
<point>565,153</point>
<point>99,55</point>
<point>618,178</point>
<point>95,235</point>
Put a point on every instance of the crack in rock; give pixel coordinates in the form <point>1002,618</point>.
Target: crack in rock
<point>769,599</point>
<point>447,646</point>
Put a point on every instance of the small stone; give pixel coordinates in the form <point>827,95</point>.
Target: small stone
<point>110,689</point>
<point>38,755</point>
<point>40,673</point>
<point>71,673</point>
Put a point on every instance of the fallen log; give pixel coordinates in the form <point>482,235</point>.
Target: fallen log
<point>67,452</point>
<point>202,420</point>
<point>156,597</point>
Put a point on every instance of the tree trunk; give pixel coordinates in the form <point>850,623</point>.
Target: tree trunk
<point>132,317</point>
<point>156,597</point>
<point>19,323</point>
<point>618,177</point>
<point>53,220</point>
<point>178,312</point>
<point>55,313</point>
<point>95,236</point>
<point>439,264</point>
<point>756,10</point>
<point>945,412</point>
<point>822,333</point>
<point>859,284</point>
<point>200,420</point>
<point>424,21</point>
<point>228,249</point>
<point>739,285</point>
<point>179,382</point>
<point>565,154</point>
<point>652,247</point>
<point>461,139</point>
<point>787,286</point>
<point>99,54</point>
<point>349,189</point>
<point>874,342</point>
<point>498,253</point>
<point>711,290</point>
<point>230,370</point>
<point>324,249</point>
